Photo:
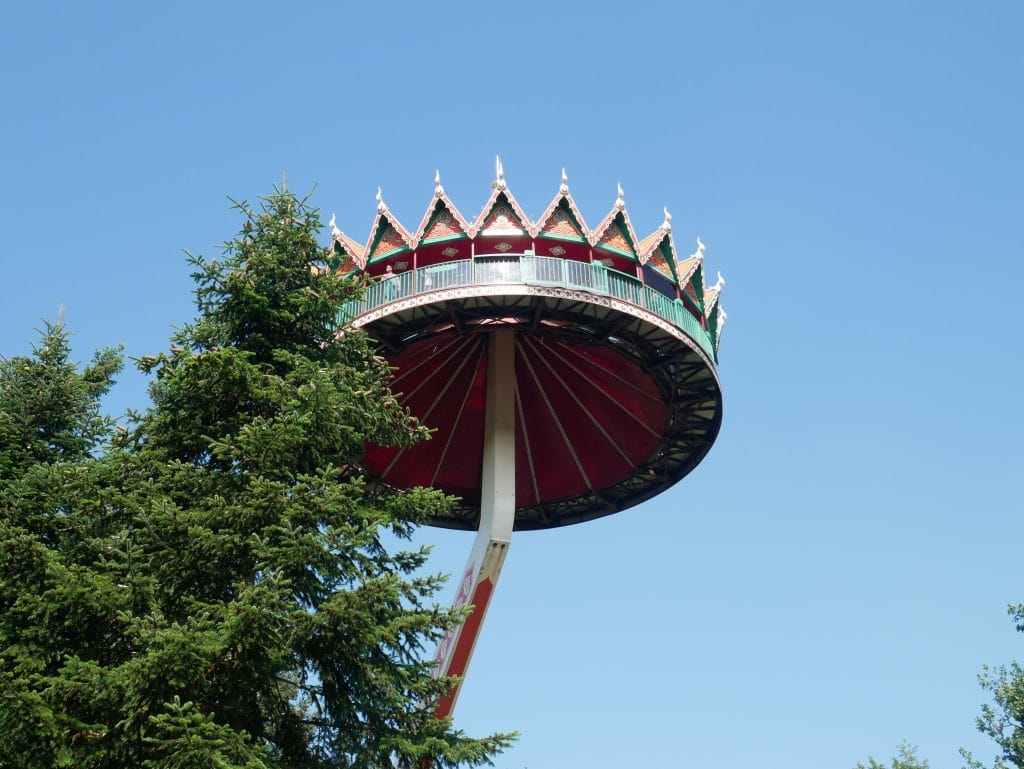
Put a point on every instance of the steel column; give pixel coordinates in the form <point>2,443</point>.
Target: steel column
<point>497,513</point>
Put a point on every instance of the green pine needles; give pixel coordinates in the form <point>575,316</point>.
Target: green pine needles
<point>213,586</point>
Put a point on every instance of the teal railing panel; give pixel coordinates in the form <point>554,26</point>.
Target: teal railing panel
<point>530,269</point>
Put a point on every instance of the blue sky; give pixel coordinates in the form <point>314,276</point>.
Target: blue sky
<point>831,579</point>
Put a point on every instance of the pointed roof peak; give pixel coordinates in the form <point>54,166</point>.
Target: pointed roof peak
<point>499,174</point>
<point>499,189</point>
<point>605,233</point>
<point>699,253</point>
<point>667,224</point>
<point>454,224</point>
<point>720,317</point>
<point>713,296</point>
<point>563,201</point>
<point>386,233</point>
<point>335,232</point>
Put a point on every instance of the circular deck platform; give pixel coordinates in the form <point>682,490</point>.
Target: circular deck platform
<point>617,397</point>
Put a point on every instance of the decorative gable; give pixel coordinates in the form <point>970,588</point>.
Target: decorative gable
<point>616,235</point>
<point>661,259</point>
<point>691,279</point>
<point>503,220</point>
<point>347,255</point>
<point>615,232</point>
<point>389,240</point>
<point>442,220</point>
<point>443,225</point>
<point>562,223</point>
<point>342,262</point>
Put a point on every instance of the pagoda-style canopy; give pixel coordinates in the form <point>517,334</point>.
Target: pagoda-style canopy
<point>504,229</point>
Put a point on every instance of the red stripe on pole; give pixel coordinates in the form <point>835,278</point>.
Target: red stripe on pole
<point>464,646</point>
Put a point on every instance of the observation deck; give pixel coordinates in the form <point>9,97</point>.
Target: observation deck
<point>527,275</point>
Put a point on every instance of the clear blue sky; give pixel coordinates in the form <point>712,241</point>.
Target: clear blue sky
<point>831,579</point>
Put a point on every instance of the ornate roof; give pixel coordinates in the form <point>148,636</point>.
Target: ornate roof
<point>691,276</point>
<point>659,248</point>
<point>501,211</point>
<point>503,217</point>
<point>348,253</point>
<point>441,219</point>
<point>387,235</point>
<point>562,218</point>
<point>712,295</point>
<point>616,230</point>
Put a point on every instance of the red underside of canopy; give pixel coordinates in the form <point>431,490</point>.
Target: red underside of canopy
<point>586,417</point>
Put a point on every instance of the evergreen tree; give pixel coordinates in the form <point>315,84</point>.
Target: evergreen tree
<point>220,593</point>
<point>48,411</point>
<point>1003,721</point>
<point>905,758</point>
<point>50,425</point>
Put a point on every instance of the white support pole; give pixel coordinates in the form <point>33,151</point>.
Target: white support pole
<point>497,513</point>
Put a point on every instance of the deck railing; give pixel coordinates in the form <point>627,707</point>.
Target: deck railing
<point>531,270</point>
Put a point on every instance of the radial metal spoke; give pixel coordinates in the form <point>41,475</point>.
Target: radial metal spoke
<point>613,375</point>
<point>557,422</point>
<point>440,367</point>
<point>470,381</point>
<point>585,410</point>
<point>426,359</point>
<point>426,415</point>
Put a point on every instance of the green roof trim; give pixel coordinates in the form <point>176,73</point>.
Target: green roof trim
<point>557,236</point>
<point>444,238</point>
<point>389,254</point>
<point>669,257</point>
<point>697,282</point>
<point>620,222</point>
<point>614,250</point>
<point>383,223</point>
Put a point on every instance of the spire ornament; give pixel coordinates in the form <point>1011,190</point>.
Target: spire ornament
<point>335,232</point>
<point>564,187</point>
<point>499,174</point>
<point>667,224</point>
<point>438,189</point>
<point>620,201</point>
<point>700,249</point>
<point>718,285</point>
<point>381,207</point>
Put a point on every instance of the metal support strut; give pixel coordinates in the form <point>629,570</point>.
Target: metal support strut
<point>497,514</point>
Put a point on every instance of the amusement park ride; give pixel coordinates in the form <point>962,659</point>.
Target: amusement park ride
<point>568,373</point>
